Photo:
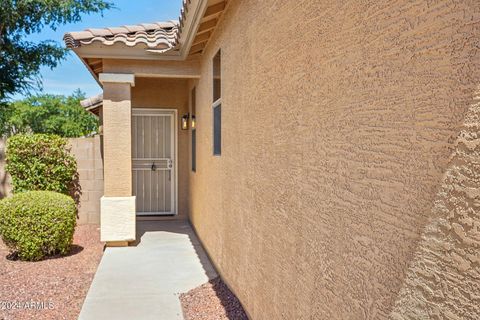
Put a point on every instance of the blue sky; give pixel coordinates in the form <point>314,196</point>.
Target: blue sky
<point>71,73</point>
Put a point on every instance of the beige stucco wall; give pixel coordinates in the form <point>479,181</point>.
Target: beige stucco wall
<point>443,277</point>
<point>166,93</point>
<point>341,192</point>
<point>116,118</point>
<point>169,94</point>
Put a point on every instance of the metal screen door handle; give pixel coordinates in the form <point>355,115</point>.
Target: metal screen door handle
<point>169,169</point>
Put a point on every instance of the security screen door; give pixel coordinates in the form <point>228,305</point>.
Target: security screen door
<point>153,161</point>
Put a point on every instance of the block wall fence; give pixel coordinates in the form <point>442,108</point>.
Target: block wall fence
<point>87,152</point>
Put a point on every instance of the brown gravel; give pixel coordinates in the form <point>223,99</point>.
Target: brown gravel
<point>60,283</point>
<point>211,301</point>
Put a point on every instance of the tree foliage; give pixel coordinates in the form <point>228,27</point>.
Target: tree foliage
<point>20,60</point>
<point>51,114</point>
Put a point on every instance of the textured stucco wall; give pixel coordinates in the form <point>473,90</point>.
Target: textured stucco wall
<point>168,94</point>
<point>117,142</point>
<point>341,192</point>
<point>443,280</point>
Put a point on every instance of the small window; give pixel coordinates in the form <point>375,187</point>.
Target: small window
<point>194,100</point>
<point>217,104</point>
<point>217,77</point>
<point>194,130</point>
<point>217,129</point>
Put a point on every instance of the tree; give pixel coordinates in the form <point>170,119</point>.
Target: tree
<point>20,60</point>
<point>47,113</point>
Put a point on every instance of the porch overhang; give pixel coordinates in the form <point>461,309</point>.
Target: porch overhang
<point>176,42</point>
<point>154,69</point>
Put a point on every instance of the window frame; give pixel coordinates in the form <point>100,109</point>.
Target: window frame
<point>194,151</point>
<point>193,110</point>
<point>219,55</point>
<point>217,103</point>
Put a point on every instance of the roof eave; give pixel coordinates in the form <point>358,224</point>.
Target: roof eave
<point>189,26</point>
<point>88,68</point>
<point>190,19</point>
<point>187,30</point>
<point>119,51</point>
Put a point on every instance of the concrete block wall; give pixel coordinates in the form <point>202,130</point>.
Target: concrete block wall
<point>5,184</point>
<point>87,152</point>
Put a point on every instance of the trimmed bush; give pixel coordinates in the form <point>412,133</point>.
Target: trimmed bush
<point>40,162</point>
<point>36,224</point>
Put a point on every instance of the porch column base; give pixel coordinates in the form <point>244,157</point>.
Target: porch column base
<point>117,219</point>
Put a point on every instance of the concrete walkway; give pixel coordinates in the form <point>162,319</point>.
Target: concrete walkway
<point>144,281</point>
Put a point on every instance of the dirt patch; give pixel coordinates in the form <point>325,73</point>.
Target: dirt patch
<point>53,288</point>
<point>211,301</point>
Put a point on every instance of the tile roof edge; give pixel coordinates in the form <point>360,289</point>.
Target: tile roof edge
<point>91,101</point>
<point>72,38</point>
<point>75,39</point>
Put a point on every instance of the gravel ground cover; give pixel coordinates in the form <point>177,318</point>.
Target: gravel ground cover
<point>53,288</point>
<point>212,301</point>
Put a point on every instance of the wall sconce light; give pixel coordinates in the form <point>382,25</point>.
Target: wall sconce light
<point>194,123</point>
<point>185,121</point>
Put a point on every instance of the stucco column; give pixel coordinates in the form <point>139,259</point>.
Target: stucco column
<point>118,203</point>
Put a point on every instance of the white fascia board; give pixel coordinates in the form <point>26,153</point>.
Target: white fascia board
<point>191,26</point>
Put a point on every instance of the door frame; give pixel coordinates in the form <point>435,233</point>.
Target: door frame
<point>175,151</point>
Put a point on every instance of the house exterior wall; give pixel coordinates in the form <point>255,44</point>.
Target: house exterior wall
<point>169,94</point>
<point>348,182</point>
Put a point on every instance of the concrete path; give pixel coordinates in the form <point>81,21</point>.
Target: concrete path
<point>144,281</point>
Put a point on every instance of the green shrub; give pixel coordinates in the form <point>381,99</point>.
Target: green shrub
<point>37,223</point>
<point>40,162</point>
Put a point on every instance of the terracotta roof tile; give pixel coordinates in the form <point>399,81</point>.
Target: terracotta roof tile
<point>159,35</point>
<point>92,101</point>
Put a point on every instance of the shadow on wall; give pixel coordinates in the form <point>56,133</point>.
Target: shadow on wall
<point>442,280</point>
<point>229,301</point>
<point>5,186</point>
